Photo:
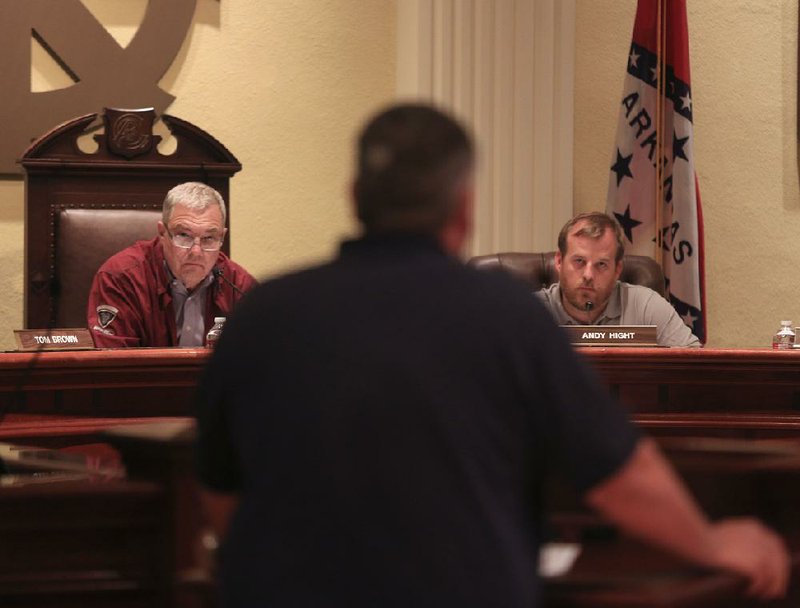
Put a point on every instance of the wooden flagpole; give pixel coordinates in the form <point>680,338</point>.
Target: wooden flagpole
<point>661,137</point>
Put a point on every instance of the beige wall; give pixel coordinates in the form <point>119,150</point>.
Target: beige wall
<point>744,77</point>
<point>284,85</point>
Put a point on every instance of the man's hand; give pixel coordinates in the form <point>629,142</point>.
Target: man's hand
<point>749,548</point>
<point>647,500</point>
<point>218,509</point>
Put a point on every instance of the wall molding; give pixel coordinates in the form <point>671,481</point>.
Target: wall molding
<point>506,68</point>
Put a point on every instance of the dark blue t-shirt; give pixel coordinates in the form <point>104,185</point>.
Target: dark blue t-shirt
<point>388,419</point>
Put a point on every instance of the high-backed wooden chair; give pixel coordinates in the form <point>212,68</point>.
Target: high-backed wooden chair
<point>80,207</point>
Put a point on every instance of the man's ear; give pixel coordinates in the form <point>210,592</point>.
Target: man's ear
<point>162,229</point>
<point>618,271</point>
<point>454,234</point>
<point>353,203</point>
<point>558,261</point>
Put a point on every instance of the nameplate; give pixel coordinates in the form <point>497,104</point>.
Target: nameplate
<point>53,339</point>
<point>611,335</point>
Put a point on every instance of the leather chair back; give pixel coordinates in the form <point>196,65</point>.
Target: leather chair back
<point>86,239</point>
<point>539,269</point>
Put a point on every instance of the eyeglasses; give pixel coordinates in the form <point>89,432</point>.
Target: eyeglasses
<point>187,241</point>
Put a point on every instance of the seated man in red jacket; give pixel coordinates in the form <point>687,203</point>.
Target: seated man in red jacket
<point>166,292</point>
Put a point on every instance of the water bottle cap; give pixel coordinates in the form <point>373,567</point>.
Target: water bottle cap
<point>222,320</point>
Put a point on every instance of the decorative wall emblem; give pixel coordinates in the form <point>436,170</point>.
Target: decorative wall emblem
<point>104,73</point>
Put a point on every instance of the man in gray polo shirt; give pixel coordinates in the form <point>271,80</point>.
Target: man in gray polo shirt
<point>589,292</point>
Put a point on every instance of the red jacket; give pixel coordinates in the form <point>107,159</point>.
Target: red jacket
<point>130,302</point>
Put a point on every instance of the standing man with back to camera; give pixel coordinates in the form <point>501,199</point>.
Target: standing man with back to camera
<point>375,431</point>
<point>167,291</point>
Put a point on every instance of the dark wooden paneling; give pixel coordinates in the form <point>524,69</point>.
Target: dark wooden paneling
<point>69,397</point>
<point>83,544</point>
<point>101,383</point>
<point>706,380</point>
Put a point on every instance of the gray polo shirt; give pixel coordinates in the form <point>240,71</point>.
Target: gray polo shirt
<point>629,305</point>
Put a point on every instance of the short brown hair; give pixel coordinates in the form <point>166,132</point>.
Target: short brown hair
<point>412,161</point>
<point>596,225</point>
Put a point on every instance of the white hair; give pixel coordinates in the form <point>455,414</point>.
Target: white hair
<point>194,195</point>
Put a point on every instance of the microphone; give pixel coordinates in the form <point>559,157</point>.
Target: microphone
<point>220,274</point>
<point>588,306</point>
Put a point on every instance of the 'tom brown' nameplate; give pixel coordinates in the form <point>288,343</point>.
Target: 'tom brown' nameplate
<point>53,339</point>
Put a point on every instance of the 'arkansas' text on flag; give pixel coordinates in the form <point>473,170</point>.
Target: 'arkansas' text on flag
<point>652,188</point>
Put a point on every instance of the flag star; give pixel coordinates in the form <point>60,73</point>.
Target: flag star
<point>654,72</point>
<point>677,146</point>
<point>634,58</point>
<point>687,102</point>
<point>627,223</point>
<point>622,167</point>
<point>689,318</point>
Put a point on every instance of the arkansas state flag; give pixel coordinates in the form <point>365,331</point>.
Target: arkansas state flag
<point>652,190</point>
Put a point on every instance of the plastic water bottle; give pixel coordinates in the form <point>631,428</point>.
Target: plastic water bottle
<point>784,337</point>
<point>213,335</point>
